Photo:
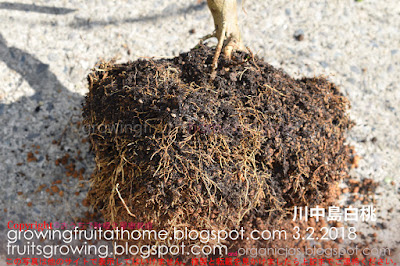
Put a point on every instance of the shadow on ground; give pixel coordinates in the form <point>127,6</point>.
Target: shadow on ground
<point>168,12</point>
<point>36,8</point>
<point>37,119</point>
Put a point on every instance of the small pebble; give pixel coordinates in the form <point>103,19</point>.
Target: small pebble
<point>299,35</point>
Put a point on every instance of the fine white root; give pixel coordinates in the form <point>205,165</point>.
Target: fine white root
<point>123,202</point>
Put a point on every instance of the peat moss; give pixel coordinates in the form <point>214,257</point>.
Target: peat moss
<point>179,149</point>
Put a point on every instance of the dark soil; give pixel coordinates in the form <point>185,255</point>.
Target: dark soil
<point>240,150</point>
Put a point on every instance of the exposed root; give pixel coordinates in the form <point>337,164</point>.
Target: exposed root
<point>123,201</point>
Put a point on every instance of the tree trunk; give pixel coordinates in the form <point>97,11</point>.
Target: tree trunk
<point>227,30</point>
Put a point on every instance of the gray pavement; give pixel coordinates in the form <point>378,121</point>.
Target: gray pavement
<point>48,47</point>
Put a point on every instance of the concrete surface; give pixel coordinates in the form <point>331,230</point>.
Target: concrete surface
<point>48,47</point>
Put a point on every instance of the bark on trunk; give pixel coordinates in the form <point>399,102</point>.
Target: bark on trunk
<point>227,30</point>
